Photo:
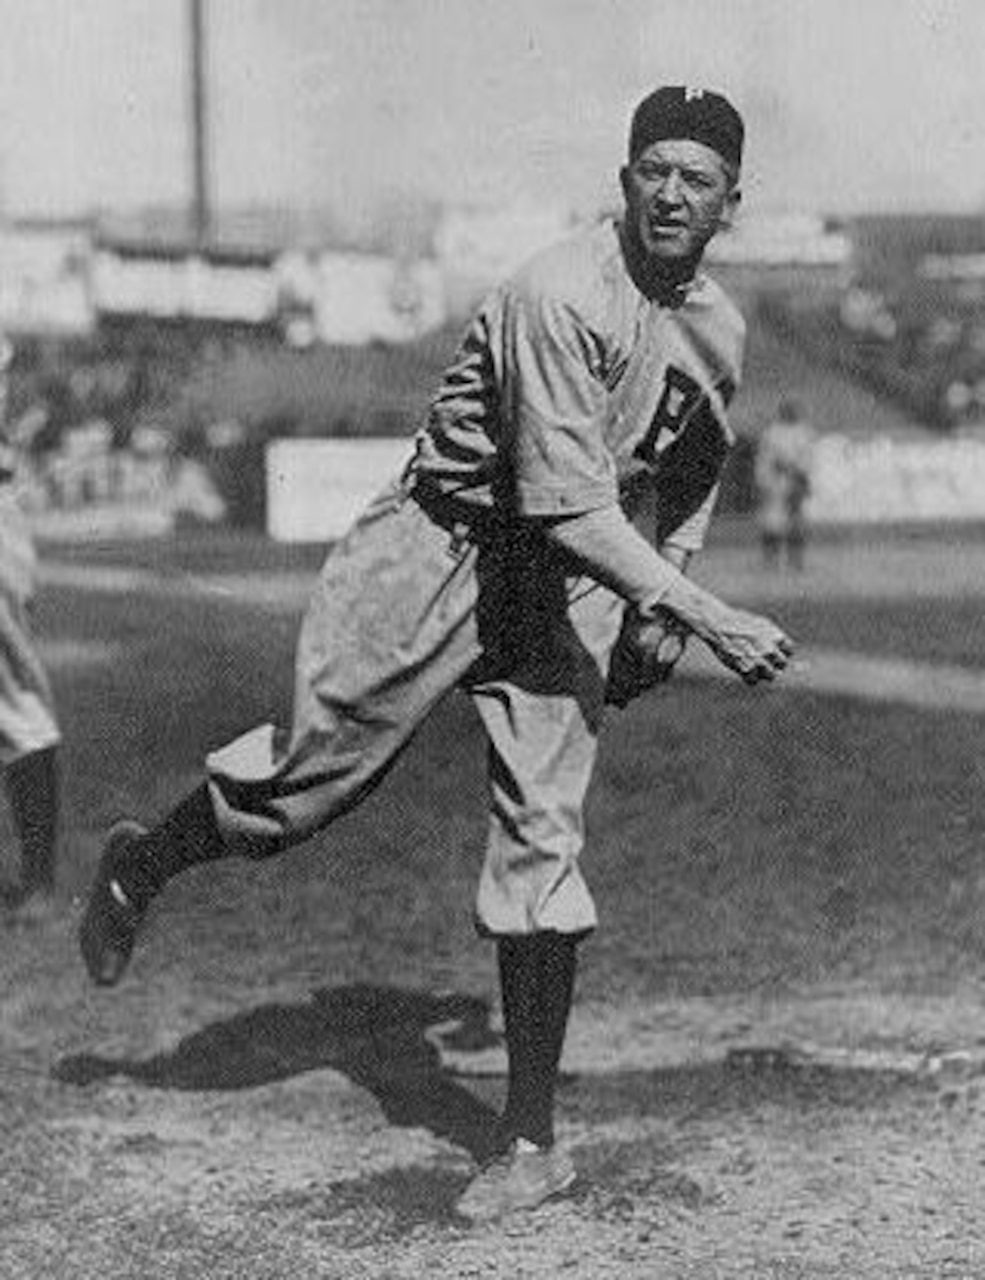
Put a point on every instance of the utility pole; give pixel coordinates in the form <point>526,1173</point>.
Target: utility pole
<point>201,212</point>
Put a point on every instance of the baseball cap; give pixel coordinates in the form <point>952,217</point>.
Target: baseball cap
<point>684,111</point>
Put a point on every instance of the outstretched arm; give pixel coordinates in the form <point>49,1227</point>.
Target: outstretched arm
<point>610,549</point>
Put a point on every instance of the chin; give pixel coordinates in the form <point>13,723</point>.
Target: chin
<point>668,255</point>
<point>666,248</point>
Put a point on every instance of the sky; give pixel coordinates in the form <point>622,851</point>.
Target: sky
<point>850,105</point>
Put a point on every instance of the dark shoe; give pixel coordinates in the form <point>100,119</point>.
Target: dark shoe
<point>110,923</point>
<point>518,1179</point>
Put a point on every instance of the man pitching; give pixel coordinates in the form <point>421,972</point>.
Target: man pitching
<point>589,390</point>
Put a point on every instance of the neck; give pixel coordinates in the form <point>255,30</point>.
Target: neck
<point>666,283</point>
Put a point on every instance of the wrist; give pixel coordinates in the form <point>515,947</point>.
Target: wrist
<point>699,610</point>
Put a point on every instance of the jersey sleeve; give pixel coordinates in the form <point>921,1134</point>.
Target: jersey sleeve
<point>556,401</point>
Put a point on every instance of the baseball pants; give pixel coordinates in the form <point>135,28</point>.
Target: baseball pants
<point>411,603</point>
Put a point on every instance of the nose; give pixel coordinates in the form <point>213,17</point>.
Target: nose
<point>670,190</point>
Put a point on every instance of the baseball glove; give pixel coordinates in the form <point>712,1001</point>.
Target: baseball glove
<point>644,655</point>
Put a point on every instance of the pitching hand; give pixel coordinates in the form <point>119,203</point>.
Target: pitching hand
<point>752,646</point>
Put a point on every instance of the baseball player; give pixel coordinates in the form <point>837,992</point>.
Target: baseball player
<point>29,733</point>
<point>782,473</point>
<point>588,394</point>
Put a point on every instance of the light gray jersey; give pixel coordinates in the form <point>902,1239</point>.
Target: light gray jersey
<point>572,390</point>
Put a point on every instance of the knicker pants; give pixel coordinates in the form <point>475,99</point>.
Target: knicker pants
<point>404,610</point>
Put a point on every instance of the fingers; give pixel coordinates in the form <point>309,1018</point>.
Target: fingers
<point>759,674</point>
<point>754,647</point>
<point>779,659</point>
<point>767,666</point>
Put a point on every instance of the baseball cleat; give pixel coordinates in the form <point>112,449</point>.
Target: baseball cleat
<point>523,1177</point>
<point>109,926</point>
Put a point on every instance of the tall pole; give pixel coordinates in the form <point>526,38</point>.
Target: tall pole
<point>201,209</point>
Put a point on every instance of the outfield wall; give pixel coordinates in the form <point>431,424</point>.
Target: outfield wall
<point>316,487</point>
<point>881,480</point>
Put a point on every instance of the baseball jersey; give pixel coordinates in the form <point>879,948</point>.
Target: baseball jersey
<point>572,390</point>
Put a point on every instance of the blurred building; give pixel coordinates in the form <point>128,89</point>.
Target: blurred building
<point>171,282</point>
<point>44,276</point>
<point>303,296</point>
<point>64,278</point>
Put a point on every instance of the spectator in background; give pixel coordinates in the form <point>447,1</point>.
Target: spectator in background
<point>784,458</point>
<point>29,734</point>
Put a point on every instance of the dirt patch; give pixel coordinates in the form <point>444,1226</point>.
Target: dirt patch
<point>819,1134</point>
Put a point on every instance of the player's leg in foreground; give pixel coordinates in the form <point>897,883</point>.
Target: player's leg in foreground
<point>373,657</point>
<point>32,789</point>
<point>542,724</point>
<point>537,973</point>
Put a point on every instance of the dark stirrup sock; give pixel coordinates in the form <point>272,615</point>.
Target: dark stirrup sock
<point>537,982</point>
<point>559,961</point>
<point>187,836</point>
<point>519,981</point>
<point>32,785</point>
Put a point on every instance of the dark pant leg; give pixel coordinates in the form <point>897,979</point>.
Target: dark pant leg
<point>32,785</point>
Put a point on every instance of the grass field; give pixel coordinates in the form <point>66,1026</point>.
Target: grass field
<point>291,1082</point>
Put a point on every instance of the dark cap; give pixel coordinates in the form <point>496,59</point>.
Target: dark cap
<point>682,111</point>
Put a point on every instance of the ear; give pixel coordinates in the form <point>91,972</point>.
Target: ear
<point>730,208</point>
<point>624,179</point>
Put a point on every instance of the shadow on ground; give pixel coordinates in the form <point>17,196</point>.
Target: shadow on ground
<point>383,1039</point>
<point>388,1041</point>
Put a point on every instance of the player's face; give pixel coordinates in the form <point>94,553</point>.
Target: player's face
<point>678,194</point>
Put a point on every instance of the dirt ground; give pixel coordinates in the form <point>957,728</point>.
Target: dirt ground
<point>263,1099</point>
<point>835,1134</point>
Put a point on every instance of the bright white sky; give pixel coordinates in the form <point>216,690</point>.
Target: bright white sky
<point>850,104</point>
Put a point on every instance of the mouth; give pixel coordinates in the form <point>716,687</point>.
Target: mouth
<point>666,227</point>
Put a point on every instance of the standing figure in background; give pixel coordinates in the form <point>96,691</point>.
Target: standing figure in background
<point>784,456</point>
<point>29,733</point>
